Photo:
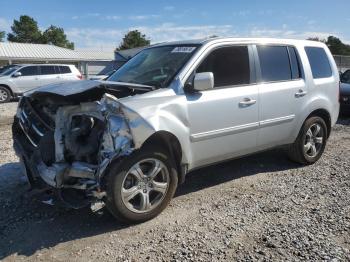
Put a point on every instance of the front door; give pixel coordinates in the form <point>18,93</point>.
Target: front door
<point>223,121</point>
<point>28,79</point>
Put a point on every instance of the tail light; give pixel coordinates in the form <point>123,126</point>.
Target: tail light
<point>80,77</point>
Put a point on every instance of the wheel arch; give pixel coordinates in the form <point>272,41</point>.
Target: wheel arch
<point>172,144</point>
<point>8,88</point>
<point>325,115</point>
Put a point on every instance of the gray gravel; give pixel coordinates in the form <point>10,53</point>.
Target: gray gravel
<point>7,111</point>
<point>261,207</point>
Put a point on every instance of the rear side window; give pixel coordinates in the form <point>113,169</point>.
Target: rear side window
<point>65,69</point>
<point>47,70</point>
<point>274,63</point>
<point>229,65</point>
<point>319,62</point>
<point>29,71</point>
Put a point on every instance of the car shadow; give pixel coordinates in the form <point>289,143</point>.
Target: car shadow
<point>30,226</point>
<point>265,162</point>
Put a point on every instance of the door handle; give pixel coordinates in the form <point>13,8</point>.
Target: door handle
<point>247,102</point>
<point>300,93</point>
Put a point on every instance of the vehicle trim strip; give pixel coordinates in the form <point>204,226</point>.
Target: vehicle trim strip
<point>241,128</point>
<point>276,121</point>
<point>224,132</point>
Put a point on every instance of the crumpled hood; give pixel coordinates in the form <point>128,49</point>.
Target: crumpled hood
<point>66,88</point>
<point>74,92</point>
<point>344,89</point>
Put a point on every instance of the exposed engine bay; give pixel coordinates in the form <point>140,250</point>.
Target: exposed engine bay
<point>68,135</point>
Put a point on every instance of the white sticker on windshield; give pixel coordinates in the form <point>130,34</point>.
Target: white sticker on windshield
<point>183,49</point>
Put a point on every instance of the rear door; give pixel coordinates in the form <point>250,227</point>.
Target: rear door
<point>28,79</point>
<point>282,92</point>
<point>49,74</point>
<point>66,73</point>
<point>223,121</point>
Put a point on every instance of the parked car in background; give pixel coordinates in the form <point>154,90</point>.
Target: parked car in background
<point>17,79</point>
<point>345,92</point>
<point>103,76</point>
<point>175,107</point>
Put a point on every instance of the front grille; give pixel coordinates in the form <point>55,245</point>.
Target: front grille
<point>32,125</point>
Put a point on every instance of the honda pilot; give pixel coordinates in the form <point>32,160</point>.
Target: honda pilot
<point>128,142</point>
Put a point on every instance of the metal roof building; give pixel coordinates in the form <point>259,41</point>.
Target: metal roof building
<point>88,62</point>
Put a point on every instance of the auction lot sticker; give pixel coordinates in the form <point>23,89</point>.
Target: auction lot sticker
<point>183,49</point>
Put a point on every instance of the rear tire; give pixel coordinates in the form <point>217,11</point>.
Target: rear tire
<point>136,177</point>
<point>310,143</point>
<point>5,94</point>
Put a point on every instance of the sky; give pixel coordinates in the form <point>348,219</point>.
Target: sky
<point>101,25</point>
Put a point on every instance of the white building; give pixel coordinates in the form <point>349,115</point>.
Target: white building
<point>88,62</point>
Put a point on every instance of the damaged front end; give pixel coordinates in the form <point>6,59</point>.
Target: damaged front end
<point>69,143</point>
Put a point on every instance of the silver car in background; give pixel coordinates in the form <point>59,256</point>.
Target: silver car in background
<point>17,79</point>
<point>175,107</point>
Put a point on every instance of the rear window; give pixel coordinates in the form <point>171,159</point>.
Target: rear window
<point>274,63</point>
<point>229,65</point>
<point>65,70</point>
<point>319,62</point>
<point>47,70</point>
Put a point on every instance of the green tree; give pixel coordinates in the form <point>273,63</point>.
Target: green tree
<point>133,39</point>
<point>25,30</point>
<point>317,39</point>
<point>2,36</point>
<point>337,47</point>
<point>56,36</point>
<point>334,44</point>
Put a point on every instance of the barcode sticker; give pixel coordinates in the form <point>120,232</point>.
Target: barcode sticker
<point>183,49</point>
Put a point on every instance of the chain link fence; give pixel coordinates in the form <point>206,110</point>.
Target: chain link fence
<point>343,62</point>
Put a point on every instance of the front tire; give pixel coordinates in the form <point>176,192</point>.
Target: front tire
<point>5,94</point>
<point>310,143</point>
<point>141,186</point>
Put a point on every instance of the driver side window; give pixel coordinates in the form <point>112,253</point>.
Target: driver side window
<point>29,71</point>
<point>229,65</point>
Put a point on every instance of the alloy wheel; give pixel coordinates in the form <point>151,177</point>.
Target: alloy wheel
<point>313,140</point>
<point>145,185</point>
<point>3,95</point>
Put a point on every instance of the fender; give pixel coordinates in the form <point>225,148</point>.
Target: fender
<point>164,113</point>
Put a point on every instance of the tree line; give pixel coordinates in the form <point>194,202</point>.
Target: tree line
<point>26,30</point>
<point>334,44</point>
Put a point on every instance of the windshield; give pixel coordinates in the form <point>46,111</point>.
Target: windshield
<point>155,66</point>
<point>9,70</point>
<point>345,77</point>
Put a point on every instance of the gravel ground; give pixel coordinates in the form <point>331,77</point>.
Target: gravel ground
<point>261,207</point>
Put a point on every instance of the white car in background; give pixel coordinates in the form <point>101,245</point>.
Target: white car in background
<point>16,80</point>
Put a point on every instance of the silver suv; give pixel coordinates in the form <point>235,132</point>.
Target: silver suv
<point>129,142</point>
<point>17,79</point>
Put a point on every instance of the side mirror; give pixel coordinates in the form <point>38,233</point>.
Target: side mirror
<point>203,81</point>
<point>17,74</point>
